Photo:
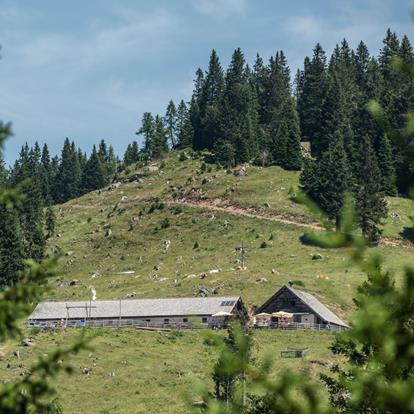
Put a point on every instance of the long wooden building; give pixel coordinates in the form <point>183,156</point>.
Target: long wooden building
<point>170,312</point>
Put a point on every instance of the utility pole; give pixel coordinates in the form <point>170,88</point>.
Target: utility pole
<point>242,250</point>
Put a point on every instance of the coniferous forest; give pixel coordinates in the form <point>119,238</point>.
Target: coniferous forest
<point>256,113</point>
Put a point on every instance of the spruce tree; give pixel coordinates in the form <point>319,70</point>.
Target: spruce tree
<point>293,152</point>
<point>210,99</point>
<point>47,175</point>
<point>311,96</point>
<point>279,142</point>
<point>93,176</point>
<point>147,131</point>
<point>159,144</point>
<point>50,221</point>
<point>11,246</point>
<point>386,166</point>
<point>186,134</point>
<point>68,178</point>
<point>197,138</point>
<point>327,179</point>
<point>370,202</point>
<point>239,111</point>
<point>171,124</point>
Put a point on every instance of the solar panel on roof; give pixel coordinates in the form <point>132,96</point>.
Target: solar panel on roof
<point>227,303</point>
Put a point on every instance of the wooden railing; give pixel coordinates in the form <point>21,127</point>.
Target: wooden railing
<point>300,325</point>
<point>119,323</point>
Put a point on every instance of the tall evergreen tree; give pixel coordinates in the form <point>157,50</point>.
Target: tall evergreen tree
<point>68,178</point>
<point>47,175</point>
<point>386,166</point>
<point>132,154</point>
<point>147,130</point>
<point>239,111</point>
<point>311,96</point>
<point>171,123</point>
<point>370,202</point>
<point>160,138</point>
<point>293,157</point>
<point>327,179</point>
<point>210,99</point>
<point>93,176</point>
<point>11,246</point>
<point>197,138</point>
<point>11,241</point>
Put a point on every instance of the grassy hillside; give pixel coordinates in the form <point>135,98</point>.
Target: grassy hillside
<point>113,240</point>
<point>147,372</point>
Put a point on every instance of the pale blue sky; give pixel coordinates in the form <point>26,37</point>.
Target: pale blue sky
<point>87,69</point>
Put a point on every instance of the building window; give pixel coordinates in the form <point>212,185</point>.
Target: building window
<point>166,320</point>
<point>185,320</point>
<point>204,320</point>
<point>147,320</point>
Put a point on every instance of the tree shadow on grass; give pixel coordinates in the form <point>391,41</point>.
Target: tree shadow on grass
<point>408,234</point>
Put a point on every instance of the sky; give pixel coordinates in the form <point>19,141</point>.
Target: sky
<point>88,69</point>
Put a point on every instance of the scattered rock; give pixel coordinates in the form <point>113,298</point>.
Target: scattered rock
<point>27,341</point>
<point>70,253</point>
<point>108,232</point>
<point>16,353</point>
<point>74,282</point>
<point>316,256</point>
<point>114,186</point>
<point>163,279</point>
<point>240,172</point>
<point>94,274</point>
<point>266,205</point>
<point>166,245</point>
<point>275,272</point>
<point>261,280</point>
<point>124,198</point>
<point>192,276</point>
<point>202,291</point>
<point>199,404</point>
<point>85,370</point>
<point>212,271</point>
<point>203,275</point>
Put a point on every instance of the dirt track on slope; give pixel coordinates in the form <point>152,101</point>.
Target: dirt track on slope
<point>224,206</point>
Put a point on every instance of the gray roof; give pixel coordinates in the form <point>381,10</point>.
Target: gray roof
<point>309,300</point>
<point>320,309</point>
<point>135,308</point>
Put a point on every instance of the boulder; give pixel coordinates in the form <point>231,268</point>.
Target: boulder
<point>261,280</point>
<point>85,370</point>
<point>27,341</point>
<point>108,232</point>
<point>240,172</point>
<point>316,256</point>
<point>74,282</point>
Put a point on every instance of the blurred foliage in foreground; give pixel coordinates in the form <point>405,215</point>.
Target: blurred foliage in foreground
<point>31,393</point>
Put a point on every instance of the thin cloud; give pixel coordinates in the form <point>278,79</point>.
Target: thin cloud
<point>220,8</point>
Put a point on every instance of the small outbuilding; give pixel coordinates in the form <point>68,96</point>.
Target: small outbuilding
<point>169,312</point>
<point>290,307</point>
